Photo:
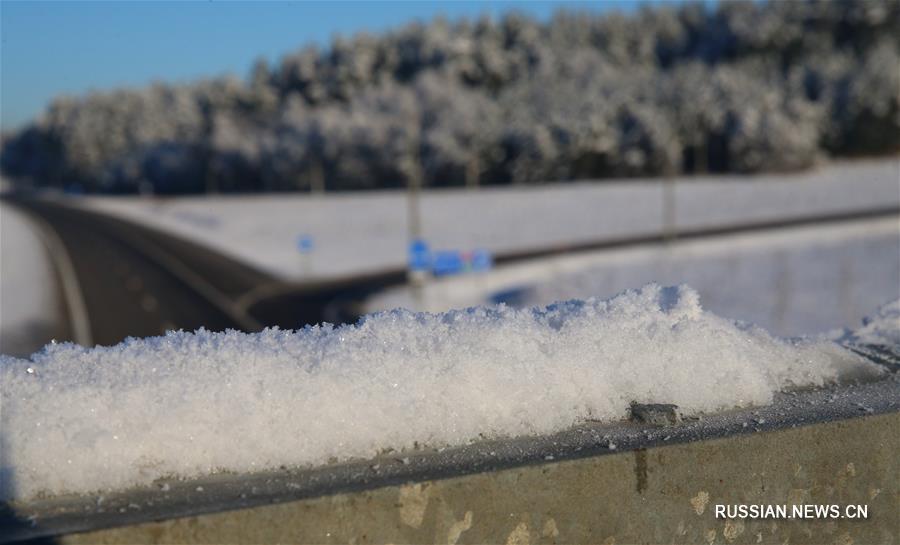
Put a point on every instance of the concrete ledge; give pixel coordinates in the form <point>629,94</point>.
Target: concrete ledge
<point>659,495</point>
<point>622,483</point>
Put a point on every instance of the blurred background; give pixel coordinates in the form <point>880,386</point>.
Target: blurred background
<point>184,165</point>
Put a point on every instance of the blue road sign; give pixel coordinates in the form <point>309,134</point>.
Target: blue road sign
<point>448,262</point>
<point>419,256</point>
<point>481,260</point>
<point>305,244</point>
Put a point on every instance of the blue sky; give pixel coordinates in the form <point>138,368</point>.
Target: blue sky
<point>53,48</point>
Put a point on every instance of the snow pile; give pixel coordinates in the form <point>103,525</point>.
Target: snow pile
<point>78,420</point>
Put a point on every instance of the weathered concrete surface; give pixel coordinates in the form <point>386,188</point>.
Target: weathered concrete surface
<point>664,494</point>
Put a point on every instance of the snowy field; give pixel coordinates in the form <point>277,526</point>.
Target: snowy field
<point>364,232</point>
<point>29,305</point>
<point>188,404</point>
<point>792,282</point>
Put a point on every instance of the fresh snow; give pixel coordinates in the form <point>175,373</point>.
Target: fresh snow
<point>879,338</point>
<point>77,420</point>
<point>792,281</point>
<point>29,305</point>
<point>883,329</point>
<point>363,232</point>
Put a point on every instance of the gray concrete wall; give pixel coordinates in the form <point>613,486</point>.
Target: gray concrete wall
<point>662,494</point>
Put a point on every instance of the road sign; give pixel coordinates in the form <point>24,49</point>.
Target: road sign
<point>305,244</point>
<point>448,262</point>
<point>419,256</point>
<point>481,260</point>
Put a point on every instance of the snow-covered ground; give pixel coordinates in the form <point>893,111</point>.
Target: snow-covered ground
<point>187,404</point>
<point>792,282</point>
<point>364,232</point>
<point>29,304</point>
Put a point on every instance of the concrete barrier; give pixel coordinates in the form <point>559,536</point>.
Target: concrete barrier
<point>622,483</point>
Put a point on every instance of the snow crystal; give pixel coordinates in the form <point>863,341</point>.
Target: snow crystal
<point>189,404</point>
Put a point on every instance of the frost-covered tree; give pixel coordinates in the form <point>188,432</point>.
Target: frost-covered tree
<point>739,87</point>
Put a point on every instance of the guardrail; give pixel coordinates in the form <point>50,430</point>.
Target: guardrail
<point>650,482</point>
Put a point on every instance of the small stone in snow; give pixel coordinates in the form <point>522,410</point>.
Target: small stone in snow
<point>654,414</point>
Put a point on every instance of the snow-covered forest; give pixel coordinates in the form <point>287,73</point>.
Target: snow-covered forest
<point>670,89</point>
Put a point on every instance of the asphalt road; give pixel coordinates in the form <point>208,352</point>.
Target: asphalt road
<point>137,281</point>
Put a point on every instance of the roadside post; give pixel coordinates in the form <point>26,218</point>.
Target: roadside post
<point>305,245</point>
<point>669,219</point>
<point>418,268</point>
<point>416,275</point>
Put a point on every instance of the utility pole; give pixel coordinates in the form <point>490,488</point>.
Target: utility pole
<point>668,209</point>
<point>415,276</point>
<point>210,182</point>
<point>669,206</point>
<point>473,172</point>
<point>317,178</point>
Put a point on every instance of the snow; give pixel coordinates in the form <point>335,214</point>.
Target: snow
<point>878,339</point>
<point>29,306</point>
<point>791,281</point>
<point>364,232</point>
<point>883,329</point>
<point>189,404</point>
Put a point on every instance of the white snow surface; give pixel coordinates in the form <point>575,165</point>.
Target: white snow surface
<point>29,305</point>
<point>77,420</point>
<point>363,232</point>
<point>882,329</point>
<point>798,281</point>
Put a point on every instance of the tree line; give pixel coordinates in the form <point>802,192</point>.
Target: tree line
<point>741,87</point>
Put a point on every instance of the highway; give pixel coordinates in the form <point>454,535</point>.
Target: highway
<point>134,281</point>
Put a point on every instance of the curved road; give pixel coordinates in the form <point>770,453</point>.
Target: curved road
<point>136,281</point>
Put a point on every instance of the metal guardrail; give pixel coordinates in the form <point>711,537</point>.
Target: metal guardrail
<point>615,483</point>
